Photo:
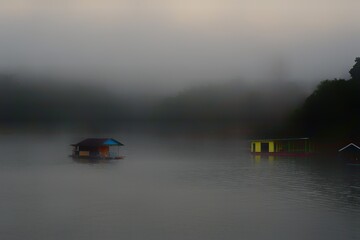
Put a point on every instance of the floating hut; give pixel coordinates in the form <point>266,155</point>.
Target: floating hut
<point>350,153</point>
<point>285,146</point>
<point>97,148</point>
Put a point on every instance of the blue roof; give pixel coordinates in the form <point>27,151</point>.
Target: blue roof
<point>98,142</point>
<point>111,142</point>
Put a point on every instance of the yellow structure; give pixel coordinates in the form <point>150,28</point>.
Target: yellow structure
<point>289,145</point>
<point>262,146</point>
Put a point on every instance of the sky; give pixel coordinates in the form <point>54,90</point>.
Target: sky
<point>173,44</point>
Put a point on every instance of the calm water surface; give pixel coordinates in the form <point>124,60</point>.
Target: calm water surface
<point>171,187</point>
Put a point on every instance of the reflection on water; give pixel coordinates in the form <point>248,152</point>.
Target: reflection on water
<point>172,187</point>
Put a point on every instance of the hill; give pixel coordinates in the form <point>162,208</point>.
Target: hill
<point>25,101</point>
<point>254,107</point>
<point>332,110</point>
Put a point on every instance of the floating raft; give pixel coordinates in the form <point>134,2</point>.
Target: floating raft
<point>283,147</point>
<point>98,158</point>
<point>97,148</point>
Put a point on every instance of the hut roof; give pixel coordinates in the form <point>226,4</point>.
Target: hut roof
<point>281,139</point>
<point>98,142</point>
<point>350,147</point>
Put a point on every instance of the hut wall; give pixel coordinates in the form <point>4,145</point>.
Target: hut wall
<point>84,153</point>
<point>113,151</point>
<point>268,147</point>
<point>104,151</point>
<point>271,147</point>
<point>256,147</point>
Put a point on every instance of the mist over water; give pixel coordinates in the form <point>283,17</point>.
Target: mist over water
<point>184,85</point>
<point>170,186</point>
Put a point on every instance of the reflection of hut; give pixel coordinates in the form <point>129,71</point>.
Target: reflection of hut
<point>97,148</point>
<point>282,146</point>
<point>351,153</point>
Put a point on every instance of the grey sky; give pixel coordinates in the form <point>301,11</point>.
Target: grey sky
<point>173,43</point>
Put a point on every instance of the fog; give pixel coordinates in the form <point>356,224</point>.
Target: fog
<point>230,108</point>
<point>244,63</point>
<point>166,46</point>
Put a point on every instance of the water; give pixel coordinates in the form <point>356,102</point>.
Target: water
<point>171,187</point>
